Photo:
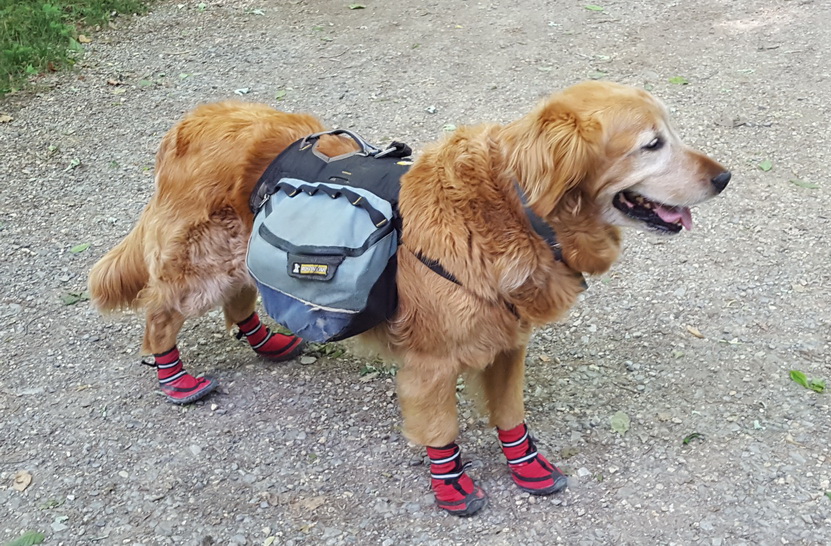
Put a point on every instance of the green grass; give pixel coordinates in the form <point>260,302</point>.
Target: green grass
<point>41,35</point>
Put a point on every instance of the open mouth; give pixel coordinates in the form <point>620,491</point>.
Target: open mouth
<point>657,216</point>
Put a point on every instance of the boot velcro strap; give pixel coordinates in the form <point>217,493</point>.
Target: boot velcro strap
<point>524,458</point>
<point>453,475</point>
<point>172,378</point>
<point>516,443</point>
<point>447,459</point>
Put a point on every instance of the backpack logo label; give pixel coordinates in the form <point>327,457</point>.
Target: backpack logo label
<point>310,269</point>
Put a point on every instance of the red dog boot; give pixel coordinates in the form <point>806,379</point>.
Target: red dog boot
<point>531,471</point>
<point>454,490</point>
<point>178,385</point>
<point>275,347</point>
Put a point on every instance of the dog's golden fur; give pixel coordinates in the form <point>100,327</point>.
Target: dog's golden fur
<point>572,154</point>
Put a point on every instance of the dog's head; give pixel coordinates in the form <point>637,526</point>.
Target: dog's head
<point>614,145</point>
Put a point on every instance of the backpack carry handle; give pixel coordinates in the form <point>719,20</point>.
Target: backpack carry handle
<point>395,149</point>
<point>366,147</point>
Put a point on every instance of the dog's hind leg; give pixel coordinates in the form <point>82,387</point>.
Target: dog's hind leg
<point>427,393</point>
<point>162,328</point>
<point>239,309</point>
<point>502,383</point>
<point>239,305</point>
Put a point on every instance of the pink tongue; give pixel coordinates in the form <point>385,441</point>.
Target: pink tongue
<point>672,215</point>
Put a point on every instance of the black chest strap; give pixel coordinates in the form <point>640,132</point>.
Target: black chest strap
<point>437,268</point>
<point>540,227</point>
<point>544,230</point>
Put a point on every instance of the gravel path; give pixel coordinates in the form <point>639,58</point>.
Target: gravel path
<point>694,334</point>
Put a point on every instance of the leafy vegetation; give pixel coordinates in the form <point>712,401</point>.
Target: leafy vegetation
<point>43,35</point>
<point>29,538</point>
<point>816,385</point>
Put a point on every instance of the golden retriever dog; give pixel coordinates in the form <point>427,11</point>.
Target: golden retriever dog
<point>587,161</point>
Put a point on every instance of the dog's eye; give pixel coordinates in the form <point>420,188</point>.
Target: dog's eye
<point>655,144</point>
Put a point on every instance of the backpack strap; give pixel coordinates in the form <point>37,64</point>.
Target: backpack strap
<point>437,268</point>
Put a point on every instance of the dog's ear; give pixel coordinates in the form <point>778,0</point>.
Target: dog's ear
<point>551,150</point>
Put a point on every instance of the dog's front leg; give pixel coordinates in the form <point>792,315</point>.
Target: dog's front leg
<point>502,383</point>
<point>427,394</point>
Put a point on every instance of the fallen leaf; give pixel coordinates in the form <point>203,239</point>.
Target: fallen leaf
<point>766,165</point>
<point>799,378</point>
<point>269,541</point>
<point>817,385</point>
<point>694,436</point>
<point>592,7</point>
<point>77,249</point>
<point>280,94</point>
<point>51,503</point>
<point>29,538</point>
<point>620,422</point>
<point>694,331</point>
<point>22,480</point>
<point>598,75</point>
<point>84,39</point>
<point>357,6</point>
<point>368,377</point>
<point>71,298</point>
<point>5,118</point>
<point>803,184</point>
<point>448,127</point>
<point>679,80</point>
<point>73,164</point>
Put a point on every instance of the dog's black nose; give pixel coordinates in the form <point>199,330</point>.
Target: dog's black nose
<point>720,181</point>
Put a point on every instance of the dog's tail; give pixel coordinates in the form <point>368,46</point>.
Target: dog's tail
<point>117,279</point>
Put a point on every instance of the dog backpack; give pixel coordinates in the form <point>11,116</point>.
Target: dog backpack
<point>325,235</point>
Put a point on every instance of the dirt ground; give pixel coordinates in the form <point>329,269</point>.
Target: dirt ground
<point>691,334</point>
